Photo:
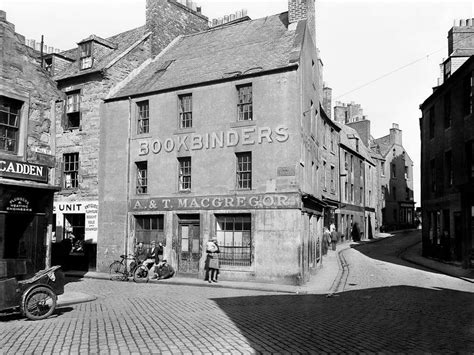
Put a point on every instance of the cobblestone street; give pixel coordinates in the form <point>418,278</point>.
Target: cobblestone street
<point>372,315</point>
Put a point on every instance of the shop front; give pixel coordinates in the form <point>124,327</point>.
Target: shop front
<point>75,234</point>
<point>26,202</point>
<point>261,236</point>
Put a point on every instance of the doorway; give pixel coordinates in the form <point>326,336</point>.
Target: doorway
<point>189,244</point>
<point>25,239</point>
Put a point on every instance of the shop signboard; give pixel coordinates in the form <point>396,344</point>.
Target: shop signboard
<point>23,171</point>
<point>225,202</point>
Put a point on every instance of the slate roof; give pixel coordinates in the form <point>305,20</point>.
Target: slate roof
<point>121,41</point>
<point>233,50</point>
<point>346,133</point>
<point>383,143</point>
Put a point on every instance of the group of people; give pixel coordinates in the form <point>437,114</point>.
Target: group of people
<point>331,236</point>
<point>154,255</point>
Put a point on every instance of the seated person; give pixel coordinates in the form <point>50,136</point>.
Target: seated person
<point>150,255</point>
<point>163,271</point>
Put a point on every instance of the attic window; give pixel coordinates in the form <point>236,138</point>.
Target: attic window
<point>86,55</point>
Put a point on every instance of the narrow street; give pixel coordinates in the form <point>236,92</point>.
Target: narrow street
<point>384,304</point>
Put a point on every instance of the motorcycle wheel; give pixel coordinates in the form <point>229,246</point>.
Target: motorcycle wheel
<point>141,274</point>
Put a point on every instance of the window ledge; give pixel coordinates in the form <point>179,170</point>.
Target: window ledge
<point>142,136</point>
<point>184,131</point>
<point>243,124</point>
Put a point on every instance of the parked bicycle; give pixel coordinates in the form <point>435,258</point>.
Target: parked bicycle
<point>121,270</point>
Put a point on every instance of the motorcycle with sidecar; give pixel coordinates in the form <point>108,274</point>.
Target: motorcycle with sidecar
<point>35,297</point>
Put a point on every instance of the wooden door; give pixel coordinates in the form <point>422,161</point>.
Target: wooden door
<point>189,247</point>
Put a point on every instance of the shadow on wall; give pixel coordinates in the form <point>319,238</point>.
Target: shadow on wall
<point>390,319</point>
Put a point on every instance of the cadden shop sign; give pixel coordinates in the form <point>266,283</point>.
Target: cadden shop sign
<point>242,202</point>
<point>24,171</point>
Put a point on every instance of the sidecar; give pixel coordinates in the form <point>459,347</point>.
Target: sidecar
<point>34,297</point>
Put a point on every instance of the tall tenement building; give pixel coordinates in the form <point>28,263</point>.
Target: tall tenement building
<point>447,150</point>
<point>219,137</point>
<point>29,106</point>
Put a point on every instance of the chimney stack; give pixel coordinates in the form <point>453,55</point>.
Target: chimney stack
<point>302,10</point>
<point>395,134</point>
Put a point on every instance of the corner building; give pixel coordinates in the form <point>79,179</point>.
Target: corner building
<point>28,110</point>
<point>215,139</point>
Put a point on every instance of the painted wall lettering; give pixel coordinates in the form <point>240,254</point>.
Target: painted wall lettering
<point>255,201</point>
<point>214,140</point>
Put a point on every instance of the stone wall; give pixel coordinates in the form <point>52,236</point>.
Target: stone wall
<point>167,19</point>
<point>23,79</point>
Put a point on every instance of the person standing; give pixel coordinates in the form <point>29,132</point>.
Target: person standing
<point>334,237</point>
<point>326,241</point>
<point>355,232</point>
<point>212,261</point>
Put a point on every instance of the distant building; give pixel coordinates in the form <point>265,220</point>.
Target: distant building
<point>28,110</point>
<point>396,178</point>
<point>447,151</point>
<point>231,151</point>
<point>348,113</point>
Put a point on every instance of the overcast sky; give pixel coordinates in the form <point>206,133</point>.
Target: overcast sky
<point>382,54</point>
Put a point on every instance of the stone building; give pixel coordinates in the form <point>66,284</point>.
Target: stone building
<point>447,150</point>
<point>28,110</point>
<point>396,181</point>
<point>358,181</point>
<point>86,74</point>
<point>220,143</point>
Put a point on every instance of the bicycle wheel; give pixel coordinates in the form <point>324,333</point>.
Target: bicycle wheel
<point>38,304</point>
<point>117,271</point>
<point>141,274</point>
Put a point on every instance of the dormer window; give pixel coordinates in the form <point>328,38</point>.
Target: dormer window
<point>86,55</point>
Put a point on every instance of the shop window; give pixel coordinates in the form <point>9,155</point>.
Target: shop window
<point>86,59</point>
<point>71,170</point>
<point>184,178</point>
<point>149,228</point>
<point>185,111</point>
<point>143,119</point>
<point>234,236</point>
<point>244,170</point>
<point>142,177</point>
<point>244,105</point>
<point>72,119</point>
<point>9,124</point>
<point>74,230</point>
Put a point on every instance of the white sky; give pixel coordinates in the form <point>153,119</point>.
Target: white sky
<point>360,41</point>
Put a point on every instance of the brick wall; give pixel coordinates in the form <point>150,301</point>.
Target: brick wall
<point>167,19</point>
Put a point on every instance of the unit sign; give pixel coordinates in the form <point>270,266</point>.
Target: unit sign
<point>24,171</point>
<point>258,201</point>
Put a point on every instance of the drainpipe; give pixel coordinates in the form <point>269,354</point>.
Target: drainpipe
<point>129,129</point>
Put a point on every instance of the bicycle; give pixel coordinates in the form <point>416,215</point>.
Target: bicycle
<point>120,271</point>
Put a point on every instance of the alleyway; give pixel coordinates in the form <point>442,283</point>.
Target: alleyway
<point>384,305</point>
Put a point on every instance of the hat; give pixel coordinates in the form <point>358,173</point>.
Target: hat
<point>153,242</point>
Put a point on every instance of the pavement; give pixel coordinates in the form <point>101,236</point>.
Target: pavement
<point>324,280</point>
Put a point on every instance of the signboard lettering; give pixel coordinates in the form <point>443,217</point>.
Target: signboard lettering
<point>258,201</point>
<point>24,171</point>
